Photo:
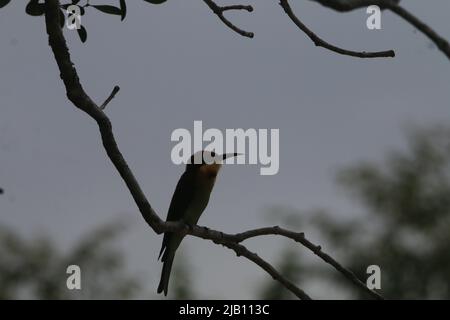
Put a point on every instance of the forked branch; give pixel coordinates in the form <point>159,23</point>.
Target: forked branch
<point>394,6</point>
<point>219,11</point>
<point>82,101</point>
<point>322,43</point>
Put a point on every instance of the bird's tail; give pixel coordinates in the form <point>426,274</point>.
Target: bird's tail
<point>165,274</point>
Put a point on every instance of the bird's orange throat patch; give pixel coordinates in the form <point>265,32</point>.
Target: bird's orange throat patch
<point>210,170</point>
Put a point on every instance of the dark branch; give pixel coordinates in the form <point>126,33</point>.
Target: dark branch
<point>349,5</point>
<point>392,5</point>
<point>230,240</point>
<point>111,96</point>
<point>81,100</point>
<point>322,43</point>
<point>300,238</point>
<point>241,250</point>
<point>440,42</point>
<point>219,11</point>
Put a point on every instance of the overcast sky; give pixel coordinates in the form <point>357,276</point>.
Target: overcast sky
<point>177,63</point>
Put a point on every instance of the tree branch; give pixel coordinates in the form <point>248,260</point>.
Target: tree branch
<point>111,96</point>
<point>392,5</point>
<point>300,238</point>
<point>322,43</point>
<point>82,101</point>
<point>349,5</point>
<point>440,42</point>
<point>241,250</point>
<point>218,10</point>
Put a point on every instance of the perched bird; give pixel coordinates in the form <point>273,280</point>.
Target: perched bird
<point>188,203</point>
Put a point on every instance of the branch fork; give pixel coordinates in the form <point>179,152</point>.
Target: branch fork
<point>219,11</point>
<point>82,101</point>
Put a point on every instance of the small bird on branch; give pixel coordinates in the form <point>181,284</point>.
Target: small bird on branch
<point>188,203</point>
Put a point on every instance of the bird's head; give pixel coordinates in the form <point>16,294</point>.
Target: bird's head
<point>208,161</point>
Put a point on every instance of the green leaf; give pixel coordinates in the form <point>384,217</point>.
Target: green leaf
<point>155,1</point>
<point>4,3</point>
<point>108,9</point>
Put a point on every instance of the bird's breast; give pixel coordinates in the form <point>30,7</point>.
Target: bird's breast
<point>204,183</point>
<point>198,204</point>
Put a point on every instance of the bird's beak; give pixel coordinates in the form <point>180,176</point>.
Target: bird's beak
<point>229,155</point>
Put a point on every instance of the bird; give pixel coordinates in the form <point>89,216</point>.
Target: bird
<point>188,202</point>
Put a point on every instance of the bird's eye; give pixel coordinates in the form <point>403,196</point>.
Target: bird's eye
<point>213,154</point>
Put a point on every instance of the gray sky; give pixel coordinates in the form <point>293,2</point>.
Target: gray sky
<point>177,63</point>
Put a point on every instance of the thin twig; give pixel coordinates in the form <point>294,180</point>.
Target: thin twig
<point>300,237</point>
<point>392,5</point>
<point>111,96</point>
<point>322,43</point>
<point>218,10</point>
<point>440,42</point>
<point>230,239</point>
<point>81,100</point>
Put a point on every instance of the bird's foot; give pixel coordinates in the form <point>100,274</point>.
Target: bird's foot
<point>189,226</point>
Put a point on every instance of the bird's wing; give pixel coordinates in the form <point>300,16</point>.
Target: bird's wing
<point>181,199</point>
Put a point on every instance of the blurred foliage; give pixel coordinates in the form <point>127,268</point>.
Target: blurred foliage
<point>36,269</point>
<point>404,228</point>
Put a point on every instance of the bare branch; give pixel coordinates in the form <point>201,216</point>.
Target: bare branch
<point>241,250</point>
<point>392,5</point>
<point>440,42</point>
<point>300,238</point>
<point>81,100</point>
<point>111,96</point>
<point>230,240</point>
<point>322,43</point>
<point>218,10</point>
<point>349,5</point>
